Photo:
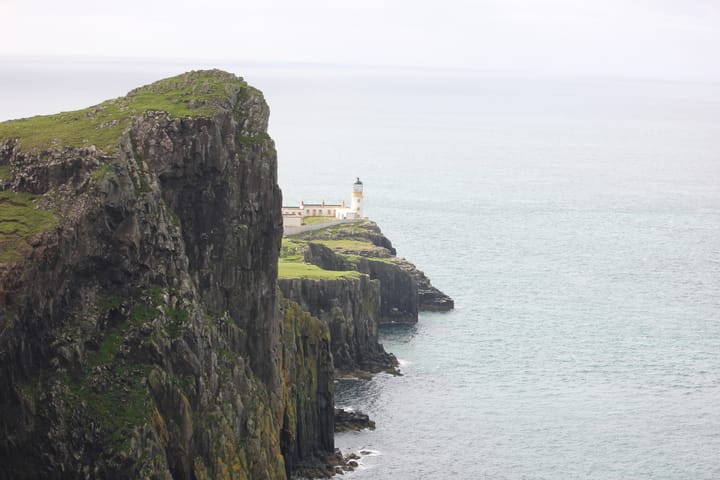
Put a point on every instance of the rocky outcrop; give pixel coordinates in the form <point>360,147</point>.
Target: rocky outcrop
<point>404,289</point>
<point>352,420</point>
<point>350,307</point>
<point>141,334</point>
<point>430,299</point>
<point>399,290</point>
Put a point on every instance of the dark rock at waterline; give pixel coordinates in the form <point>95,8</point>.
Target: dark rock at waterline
<point>330,465</point>
<point>352,420</point>
<point>350,307</point>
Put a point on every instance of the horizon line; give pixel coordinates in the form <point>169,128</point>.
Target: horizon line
<point>274,63</point>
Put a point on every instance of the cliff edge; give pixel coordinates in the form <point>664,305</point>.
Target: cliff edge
<point>349,276</point>
<point>141,333</point>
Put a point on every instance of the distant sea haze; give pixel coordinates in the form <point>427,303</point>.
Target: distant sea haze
<point>576,223</point>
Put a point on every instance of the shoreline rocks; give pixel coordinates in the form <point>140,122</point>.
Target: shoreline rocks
<point>346,420</point>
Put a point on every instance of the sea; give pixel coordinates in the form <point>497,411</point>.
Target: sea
<point>574,220</point>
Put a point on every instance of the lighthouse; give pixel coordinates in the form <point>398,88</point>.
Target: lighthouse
<point>357,195</point>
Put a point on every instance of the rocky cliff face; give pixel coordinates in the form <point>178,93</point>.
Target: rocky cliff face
<point>140,329</point>
<point>350,307</point>
<point>404,289</point>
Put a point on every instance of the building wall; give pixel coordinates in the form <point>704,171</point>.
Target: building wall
<point>319,209</point>
<point>316,211</point>
<point>293,215</point>
<point>346,213</point>
<point>291,211</point>
<point>292,221</point>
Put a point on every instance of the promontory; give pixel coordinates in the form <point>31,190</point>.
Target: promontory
<point>143,329</point>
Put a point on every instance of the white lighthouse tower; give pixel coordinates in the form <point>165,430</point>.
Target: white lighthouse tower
<point>357,196</point>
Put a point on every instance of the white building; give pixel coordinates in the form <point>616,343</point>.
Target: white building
<point>295,216</point>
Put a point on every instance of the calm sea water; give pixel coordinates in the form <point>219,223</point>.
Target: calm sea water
<point>576,222</point>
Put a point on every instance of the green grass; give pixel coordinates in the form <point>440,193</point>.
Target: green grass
<point>118,409</point>
<point>141,314</point>
<point>20,220</point>
<point>107,303</point>
<point>108,347</point>
<point>354,259</point>
<point>101,172</point>
<point>343,229</point>
<point>349,245</point>
<point>177,322</point>
<point>252,139</point>
<point>292,263</point>
<point>5,172</point>
<point>292,250</point>
<point>316,220</point>
<point>194,94</point>
<point>305,270</point>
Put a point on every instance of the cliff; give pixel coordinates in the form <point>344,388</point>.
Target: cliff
<point>350,309</point>
<point>141,333</point>
<point>350,278</point>
<point>361,248</point>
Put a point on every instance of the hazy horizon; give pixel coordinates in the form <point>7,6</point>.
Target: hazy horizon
<point>648,38</point>
<point>32,84</point>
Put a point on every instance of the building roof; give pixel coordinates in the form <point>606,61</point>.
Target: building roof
<point>321,205</point>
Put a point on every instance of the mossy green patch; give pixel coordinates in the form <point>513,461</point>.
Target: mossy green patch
<point>142,313</point>
<point>5,172</point>
<point>174,217</point>
<point>20,219</point>
<point>118,407</point>
<point>193,94</point>
<point>349,245</point>
<point>316,220</point>
<point>177,322</point>
<point>292,263</point>
<point>111,387</point>
<point>101,173</point>
<point>292,250</point>
<point>354,259</point>
<point>108,347</point>
<point>256,139</point>
<point>141,184</point>
<point>306,270</point>
<point>341,230</point>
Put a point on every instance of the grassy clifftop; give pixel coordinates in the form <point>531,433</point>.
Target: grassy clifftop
<point>292,264</point>
<point>192,94</point>
<point>23,215</point>
<point>349,242</point>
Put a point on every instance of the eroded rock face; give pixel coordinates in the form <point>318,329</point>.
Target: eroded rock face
<point>350,307</point>
<point>404,289</point>
<point>141,335</point>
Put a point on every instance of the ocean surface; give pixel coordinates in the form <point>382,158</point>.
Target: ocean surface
<point>575,221</point>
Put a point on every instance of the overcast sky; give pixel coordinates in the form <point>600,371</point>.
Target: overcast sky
<point>675,39</point>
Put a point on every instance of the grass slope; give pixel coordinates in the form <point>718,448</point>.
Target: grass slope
<point>292,264</point>
<point>305,270</point>
<point>20,220</point>
<point>193,94</point>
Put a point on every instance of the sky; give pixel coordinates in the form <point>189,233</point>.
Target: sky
<point>671,39</point>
